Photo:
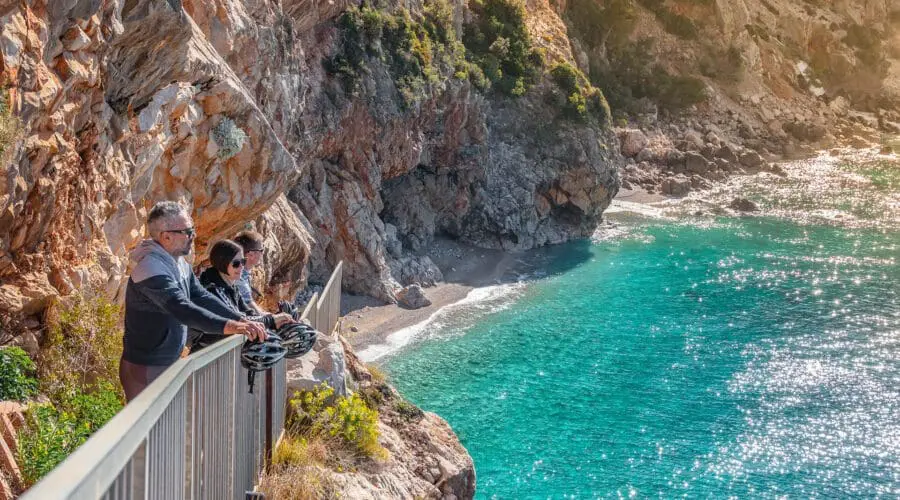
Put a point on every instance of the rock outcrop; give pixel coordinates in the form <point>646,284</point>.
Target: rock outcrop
<point>425,458</point>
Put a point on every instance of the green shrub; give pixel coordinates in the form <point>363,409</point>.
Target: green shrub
<point>632,78</point>
<point>320,413</point>
<point>417,49</point>
<point>54,430</point>
<point>497,41</point>
<point>583,101</point>
<point>83,346</point>
<point>867,42</point>
<point>408,411</point>
<point>17,380</point>
<point>725,66</point>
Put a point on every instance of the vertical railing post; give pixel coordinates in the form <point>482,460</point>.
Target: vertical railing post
<point>269,409</point>
<point>189,437</point>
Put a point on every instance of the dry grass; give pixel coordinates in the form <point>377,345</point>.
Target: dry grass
<point>299,470</point>
<point>378,375</point>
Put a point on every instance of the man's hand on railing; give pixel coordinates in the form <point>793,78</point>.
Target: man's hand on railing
<point>252,329</point>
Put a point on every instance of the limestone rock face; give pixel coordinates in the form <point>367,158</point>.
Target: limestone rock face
<point>325,363</point>
<point>121,106</point>
<point>225,106</point>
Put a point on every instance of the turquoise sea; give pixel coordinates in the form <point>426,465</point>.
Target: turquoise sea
<point>709,356</point>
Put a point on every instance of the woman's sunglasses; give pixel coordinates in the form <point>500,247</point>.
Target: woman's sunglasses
<point>238,262</point>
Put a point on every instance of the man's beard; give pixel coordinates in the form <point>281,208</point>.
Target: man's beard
<point>186,250</point>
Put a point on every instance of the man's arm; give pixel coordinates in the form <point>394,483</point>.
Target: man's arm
<point>203,298</point>
<point>164,291</point>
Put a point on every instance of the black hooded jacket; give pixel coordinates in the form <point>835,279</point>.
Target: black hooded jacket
<point>212,280</point>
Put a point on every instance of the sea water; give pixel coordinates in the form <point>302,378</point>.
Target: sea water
<point>707,356</point>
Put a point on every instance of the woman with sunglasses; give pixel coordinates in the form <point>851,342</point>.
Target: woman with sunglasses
<point>227,262</point>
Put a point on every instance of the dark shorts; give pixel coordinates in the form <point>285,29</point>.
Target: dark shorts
<point>135,378</point>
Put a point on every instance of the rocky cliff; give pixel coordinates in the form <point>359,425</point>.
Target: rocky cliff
<point>230,107</point>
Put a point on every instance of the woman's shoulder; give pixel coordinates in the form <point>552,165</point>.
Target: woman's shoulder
<point>208,276</point>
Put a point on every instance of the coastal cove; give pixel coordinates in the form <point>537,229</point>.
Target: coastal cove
<point>706,355</point>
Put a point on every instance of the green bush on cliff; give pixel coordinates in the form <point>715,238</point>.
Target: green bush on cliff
<point>418,49</point>
<point>583,100</point>
<point>320,413</point>
<point>632,78</point>
<point>867,42</point>
<point>54,430</point>
<point>229,137</point>
<point>727,66</point>
<point>82,347</point>
<point>497,41</point>
<point>79,372</point>
<point>17,381</point>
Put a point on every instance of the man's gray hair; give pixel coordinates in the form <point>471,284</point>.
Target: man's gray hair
<point>161,214</point>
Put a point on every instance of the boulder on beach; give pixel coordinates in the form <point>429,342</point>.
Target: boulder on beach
<point>413,297</point>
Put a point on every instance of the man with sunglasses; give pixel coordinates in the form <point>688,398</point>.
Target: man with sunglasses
<point>252,243</point>
<point>163,298</point>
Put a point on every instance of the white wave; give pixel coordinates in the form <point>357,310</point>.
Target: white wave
<point>622,206</point>
<point>484,300</point>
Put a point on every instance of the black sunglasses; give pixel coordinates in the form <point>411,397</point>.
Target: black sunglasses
<point>238,262</point>
<point>188,231</point>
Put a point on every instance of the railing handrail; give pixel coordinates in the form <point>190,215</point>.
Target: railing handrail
<point>94,467</point>
<point>110,447</point>
<point>326,292</point>
<point>310,305</point>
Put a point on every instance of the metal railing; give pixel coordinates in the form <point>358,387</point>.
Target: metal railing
<point>323,310</point>
<point>196,432</point>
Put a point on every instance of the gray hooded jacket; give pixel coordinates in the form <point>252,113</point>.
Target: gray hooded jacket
<point>162,299</point>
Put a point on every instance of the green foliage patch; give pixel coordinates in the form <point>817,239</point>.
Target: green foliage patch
<point>229,137</point>
<point>82,347</point>
<point>633,77</point>
<point>497,41</point>
<point>320,412</point>
<point>583,101</point>
<point>54,430</point>
<point>418,50</point>
<point>79,372</point>
<point>9,127</point>
<point>17,381</point>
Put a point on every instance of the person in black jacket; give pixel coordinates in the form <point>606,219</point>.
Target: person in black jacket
<point>163,298</point>
<point>227,262</point>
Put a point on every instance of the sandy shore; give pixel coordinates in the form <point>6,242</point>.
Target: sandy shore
<point>366,321</point>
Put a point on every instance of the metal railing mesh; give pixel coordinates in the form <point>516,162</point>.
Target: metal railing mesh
<point>196,432</point>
